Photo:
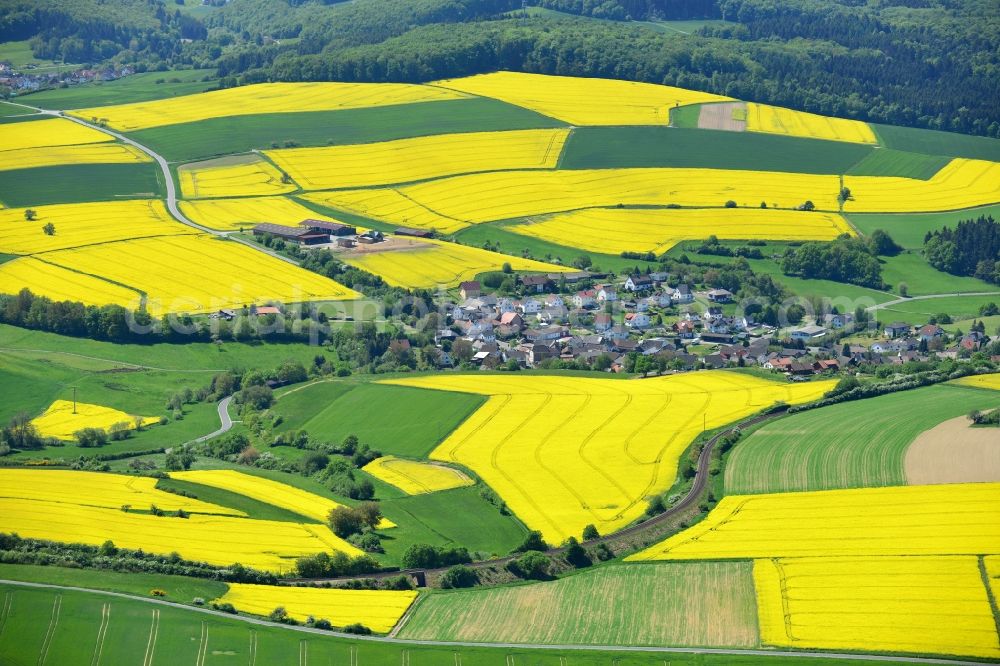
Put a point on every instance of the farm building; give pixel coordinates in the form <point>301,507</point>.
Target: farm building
<point>332,228</point>
<point>416,233</point>
<point>372,236</point>
<point>301,235</point>
<point>470,289</point>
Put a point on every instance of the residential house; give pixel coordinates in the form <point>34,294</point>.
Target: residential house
<point>720,296</point>
<point>637,320</point>
<point>808,332</point>
<point>684,328</point>
<point>896,329</point>
<point>617,333</point>
<point>602,321</point>
<point>838,321</point>
<point>546,334</point>
<point>682,294</point>
<point>538,284</point>
<point>585,299</point>
<point>530,306</point>
<point>929,332</point>
<point>639,282</point>
<point>470,289</point>
<point>607,294</point>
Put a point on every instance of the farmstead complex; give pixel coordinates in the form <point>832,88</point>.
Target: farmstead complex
<point>490,333</point>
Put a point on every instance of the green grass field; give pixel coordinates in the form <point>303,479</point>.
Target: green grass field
<point>909,229</point>
<point>252,508</point>
<point>888,162</point>
<point>458,517</point>
<point>136,88</point>
<point>221,136</point>
<point>94,628</point>
<point>19,54</point>
<point>10,110</point>
<point>848,445</point>
<point>690,604</point>
<point>933,142</point>
<point>619,147</point>
<point>919,311</point>
<point>921,278</point>
<point>685,116</point>
<point>74,183</point>
<point>509,242</point>
<point>180,589</point>
<point>396,420</point>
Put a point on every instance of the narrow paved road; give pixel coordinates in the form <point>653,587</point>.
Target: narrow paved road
<point>930,296</point>
<point>226,423</point>
<point>512,646</point>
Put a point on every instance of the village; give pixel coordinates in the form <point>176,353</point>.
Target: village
<point>638,323</point>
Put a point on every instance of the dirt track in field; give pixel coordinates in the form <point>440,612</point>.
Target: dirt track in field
<point>721,116</point>
<point>954,452</point>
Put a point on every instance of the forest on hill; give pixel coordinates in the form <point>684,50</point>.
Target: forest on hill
<point>923,63</point>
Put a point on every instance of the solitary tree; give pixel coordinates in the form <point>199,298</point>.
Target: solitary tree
<point>49,229</point>
<point>30,214</point>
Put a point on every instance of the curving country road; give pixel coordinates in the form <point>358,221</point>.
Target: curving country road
<point>512,646</point>
<point>926,297</point>
<point>226,423</point>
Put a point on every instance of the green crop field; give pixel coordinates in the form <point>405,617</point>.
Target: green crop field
<point>693,603</point>
<point>9,110</point>
<point>909,229</point>
<point>251,507</point>
<point>919,311</point>
<point>396,420</point>
<point>685,116</point>
<point>136,88</point>
<point>933,142</point>
<point>206,138</point>
<point>88,628</point>
<point>509,242</point>
<point>922,278</point>
<point>618,147</point>
<point>75,183</point>
<point>888,162</point>
<point>458,517</point>
<point>848,445</point>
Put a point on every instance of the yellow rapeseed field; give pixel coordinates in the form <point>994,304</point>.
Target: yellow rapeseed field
<point>379,610</point>
<point>49,132</point>
<point>60,421</point>
<point>61,284</point>
<point>215,179</point>
<point>218,540</point>
<point>582,101</point>
<point>197,273</point>
<point>94,153</point>
<point>951,519</point>
<point>981,381</point>
<point>279,494</point>
<point>430,263</point>
<point>263,98</point>
<point>232,214</point>
<point>389,205</point>
<point>779,120</point>
<point>85,224</point>
<point>616,230</point>
<point>928,604</point>
<point>565,452</point>
<point>97,489</point>
<point>407,160</point>
<point>416,478</point>
<point>473,198</point>
<point>962,183</point>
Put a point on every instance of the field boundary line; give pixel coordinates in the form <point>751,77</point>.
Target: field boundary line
<point>51,630</point>
<point>253,648</point>
<point>985,575</point>
<point>644,649</point>
<point>102,632</point>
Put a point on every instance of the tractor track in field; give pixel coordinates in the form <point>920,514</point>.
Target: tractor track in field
<point>402,642</point>
<point>650,529</point>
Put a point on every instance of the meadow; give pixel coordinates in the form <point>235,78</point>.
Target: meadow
<point>616,230</point>
<point>909,229</point>
<point>652,146</point>
<point>933,142</point>
<point>79,183</point>
<point>433,264</point>
<point>889,162</point>
<point>848,445</point>
<point>222,136</point>
<point>261,98</point>
<point>93,627</point>
<point>356,409</point>
<point>613,445</point>
<point>959,308</point>
<point>140,87</point>
<point>684,604</point>
<point>582,101</point>
<point>920,278</point>
<point>421,158</point>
